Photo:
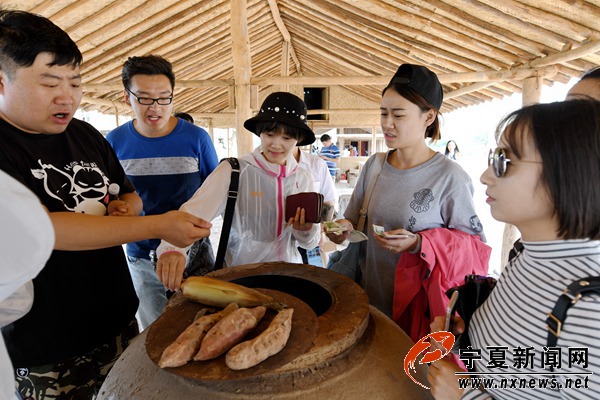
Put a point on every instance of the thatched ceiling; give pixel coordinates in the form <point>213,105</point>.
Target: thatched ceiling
<point>481,49</point>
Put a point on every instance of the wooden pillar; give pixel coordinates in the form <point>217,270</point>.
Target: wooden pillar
<point>373,147</point>
<point>285,64</point>
<point>211,132</point>
<point>532,90</point>
<point>242,72</point>
<point>227,143</point>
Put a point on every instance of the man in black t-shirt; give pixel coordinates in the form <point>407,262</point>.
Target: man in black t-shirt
<point>84,304</point>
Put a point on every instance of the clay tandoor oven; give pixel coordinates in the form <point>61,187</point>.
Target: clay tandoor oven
<point>351,350</point>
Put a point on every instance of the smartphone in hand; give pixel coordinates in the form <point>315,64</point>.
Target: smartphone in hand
<point>450,311</point>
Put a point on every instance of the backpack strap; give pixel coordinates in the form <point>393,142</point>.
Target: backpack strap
<point>229,209</point>
<point>567,299</point>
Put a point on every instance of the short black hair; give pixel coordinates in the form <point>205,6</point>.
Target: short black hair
<point>325,137</point>
<point>146,65</point>
<point>593,73</point>
<point>24,35</point>
<point>567,136</point>
<point>185,116</point>
<point>279,127</point>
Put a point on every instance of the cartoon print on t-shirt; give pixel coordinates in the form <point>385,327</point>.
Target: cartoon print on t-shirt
<point>421,201</point>
<point>82,188</point>
<point>476,223</point>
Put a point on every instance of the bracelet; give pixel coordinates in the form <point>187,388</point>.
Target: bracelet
<point>417,247</point>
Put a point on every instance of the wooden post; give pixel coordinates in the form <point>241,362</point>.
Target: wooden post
<point>211,132</point>
<point>532,90</point>
<point>242,72</point>
<point>373,148</point>
<point>285,64</point>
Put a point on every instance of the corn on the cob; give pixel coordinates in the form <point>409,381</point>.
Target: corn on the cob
<point>219,293</point>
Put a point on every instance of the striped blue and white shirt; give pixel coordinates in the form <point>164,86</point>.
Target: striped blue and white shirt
<point>331,152</point>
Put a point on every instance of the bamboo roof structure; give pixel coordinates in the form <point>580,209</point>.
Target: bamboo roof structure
<point>481,49</point>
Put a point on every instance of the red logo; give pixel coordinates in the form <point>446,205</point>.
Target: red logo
<point>446,339</point>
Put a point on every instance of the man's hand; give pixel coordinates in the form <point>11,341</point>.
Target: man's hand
<point>180,228</point>
<point>120,208</point>
<point>169,268</point>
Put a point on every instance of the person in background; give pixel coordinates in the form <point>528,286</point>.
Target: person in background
<point>587,87</point>
<point>259,231</point>
<point>321,182</point>
<point>26,242</point>
<point>165,157</point>
<point>452,151</point>
<point>184,116</point>
<point>83,312</point>
<point>330,153</point>
<point>544,178</point>
<point>417,189</point>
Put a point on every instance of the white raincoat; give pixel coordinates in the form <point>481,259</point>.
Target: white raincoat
<point>259,232</point>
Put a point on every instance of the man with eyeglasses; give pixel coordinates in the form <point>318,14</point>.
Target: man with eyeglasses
<point>166,158</point>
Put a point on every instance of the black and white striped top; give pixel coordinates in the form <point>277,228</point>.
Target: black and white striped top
<point>515,313</point>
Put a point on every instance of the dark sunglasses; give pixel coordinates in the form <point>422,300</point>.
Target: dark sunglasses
<point>148,101</point>
<point>497,158</point>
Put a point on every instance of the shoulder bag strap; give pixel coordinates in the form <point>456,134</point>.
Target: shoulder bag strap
<point>373,175</point>
<point>229,208</point>
<point>567,299</point>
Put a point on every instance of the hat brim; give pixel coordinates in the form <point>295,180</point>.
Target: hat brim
<point>309,135</point>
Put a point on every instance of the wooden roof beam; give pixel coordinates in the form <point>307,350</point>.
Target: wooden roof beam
<point>285,33</point>
<point>378,80</point>
<point>557,58</point>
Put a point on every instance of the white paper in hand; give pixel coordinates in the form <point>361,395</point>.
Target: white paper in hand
<point>356,236</point>
<point>333,227</point>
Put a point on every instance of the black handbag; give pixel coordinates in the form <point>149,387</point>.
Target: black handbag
<point>471,295</point>
<point>201,259</point>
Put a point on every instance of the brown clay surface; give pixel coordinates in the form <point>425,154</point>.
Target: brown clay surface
<point>178,317</point>
<point>338,328</point>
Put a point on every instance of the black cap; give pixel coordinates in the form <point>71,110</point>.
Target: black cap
<point>286,108</point>
<point>421,80</point>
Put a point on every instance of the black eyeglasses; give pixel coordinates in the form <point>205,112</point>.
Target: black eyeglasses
<point>497,158</point>
<point>148,101</point>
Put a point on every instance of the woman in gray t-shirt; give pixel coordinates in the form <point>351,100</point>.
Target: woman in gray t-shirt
<point>417,188</point>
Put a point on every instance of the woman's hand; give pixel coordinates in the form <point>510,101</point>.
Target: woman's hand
<point>398,245</point>
<point>439,323</point>
<point>169,268</point>
<point>443,380</point>
<point>299,222</point>
<point>339,238</point>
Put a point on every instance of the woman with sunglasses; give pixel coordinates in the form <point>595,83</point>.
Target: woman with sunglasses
<point>544,178</point>
<point>418,189</point>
